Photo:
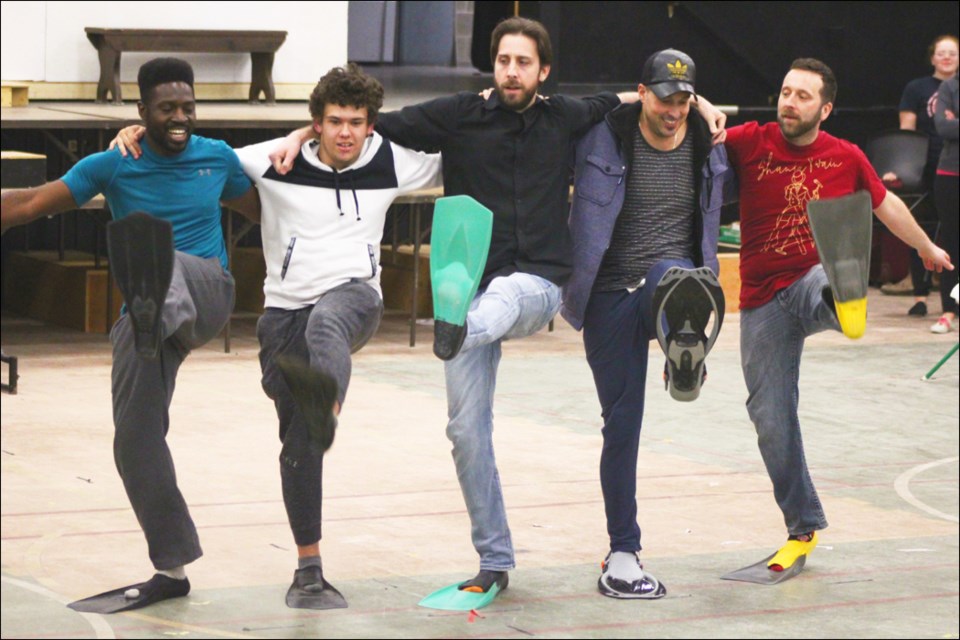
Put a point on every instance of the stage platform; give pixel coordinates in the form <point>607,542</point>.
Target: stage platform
<point>402,86</point>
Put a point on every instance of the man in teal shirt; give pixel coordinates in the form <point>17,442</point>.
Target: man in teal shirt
<point>182,179</point>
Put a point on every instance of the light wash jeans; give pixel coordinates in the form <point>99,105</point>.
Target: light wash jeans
<point>513,306</point>
<point>771,342</point>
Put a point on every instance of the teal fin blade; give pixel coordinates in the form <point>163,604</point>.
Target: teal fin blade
<point>459,244</point>
<point>453,599</point>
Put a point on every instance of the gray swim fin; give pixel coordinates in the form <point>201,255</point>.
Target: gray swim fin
<point>135,596</point>
<point>842,228</point>
<point>761,573</point>
<point>141,253</point>
<point>684,302</point>
<point>305,594</point>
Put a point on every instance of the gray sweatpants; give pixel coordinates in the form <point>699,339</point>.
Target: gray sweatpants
<point>196,308</point>
<point>324,334</point>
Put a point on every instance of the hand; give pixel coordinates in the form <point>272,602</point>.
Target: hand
<point>128,141</point>
<point>891,180</point>
<point>283,157</point>
<point>716,119</point>
<point>935,258</point>
<point>486,93</point>
<point>949,115</point>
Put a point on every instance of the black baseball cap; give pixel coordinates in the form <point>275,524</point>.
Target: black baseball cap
<point>669,71</point>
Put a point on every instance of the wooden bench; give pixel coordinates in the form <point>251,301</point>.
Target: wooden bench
<point>111,43</point>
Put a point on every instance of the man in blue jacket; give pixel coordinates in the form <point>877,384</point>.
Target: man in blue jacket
<point>648,191</point>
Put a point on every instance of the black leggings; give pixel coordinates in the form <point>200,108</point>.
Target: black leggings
<point>946,193</point>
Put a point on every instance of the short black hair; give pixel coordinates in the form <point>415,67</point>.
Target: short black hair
<point>522,26</point>
<point>348,87</point>
<point>828,92</point>
<point>162,71</point>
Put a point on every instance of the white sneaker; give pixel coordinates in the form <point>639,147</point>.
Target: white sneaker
<point>943,325</point>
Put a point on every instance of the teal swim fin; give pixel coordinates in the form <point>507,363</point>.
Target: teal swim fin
<point>452,598</point>
<point>842,229</point>
<point>459,244</point>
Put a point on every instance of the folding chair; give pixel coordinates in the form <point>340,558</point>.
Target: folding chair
<point>905,154</point>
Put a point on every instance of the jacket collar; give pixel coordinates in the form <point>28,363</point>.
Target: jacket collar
<point>623,120</point>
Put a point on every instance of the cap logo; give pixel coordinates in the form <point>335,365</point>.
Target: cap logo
<point>678,70</point>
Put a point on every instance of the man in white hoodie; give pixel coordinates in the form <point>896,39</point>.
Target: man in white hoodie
<point>322,224</point>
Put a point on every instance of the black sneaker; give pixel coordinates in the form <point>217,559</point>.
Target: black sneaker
<point>447,339</point>
<point>646,588</point>
<point>919,310</point>
<point>482,582</point>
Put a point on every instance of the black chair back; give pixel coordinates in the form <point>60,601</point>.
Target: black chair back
<point>902,152</point>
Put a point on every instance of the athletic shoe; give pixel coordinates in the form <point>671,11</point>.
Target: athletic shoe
<point>646,588</point>
<point>902,288</point>
<point>919,310</point>
<point>943,325</point>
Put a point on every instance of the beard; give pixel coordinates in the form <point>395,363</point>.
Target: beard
<point>794,129</point>
<point>517,102</point>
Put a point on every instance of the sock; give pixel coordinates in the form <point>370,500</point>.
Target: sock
<point>309,561</point>
<point>177,573</point>
<point>624,565</point>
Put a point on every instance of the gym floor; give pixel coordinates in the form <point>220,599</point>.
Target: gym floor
<point>882,447</point>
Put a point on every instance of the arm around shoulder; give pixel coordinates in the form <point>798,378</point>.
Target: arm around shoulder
<point>21,206</point>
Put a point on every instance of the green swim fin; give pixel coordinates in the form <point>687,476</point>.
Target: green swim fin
<point>459,244</point>
<point>452,598</point>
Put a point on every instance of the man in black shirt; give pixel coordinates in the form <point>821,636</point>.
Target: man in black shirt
<point>512,152</point>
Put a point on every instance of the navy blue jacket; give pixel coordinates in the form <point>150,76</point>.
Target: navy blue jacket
<point>602,165</point>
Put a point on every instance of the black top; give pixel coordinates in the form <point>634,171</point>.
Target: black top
<point>516,164</point>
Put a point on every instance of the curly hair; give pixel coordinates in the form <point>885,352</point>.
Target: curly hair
<point>348,87</point>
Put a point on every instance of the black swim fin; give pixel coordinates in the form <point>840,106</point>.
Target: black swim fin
<point>135,596</point>
<point>141,260</point>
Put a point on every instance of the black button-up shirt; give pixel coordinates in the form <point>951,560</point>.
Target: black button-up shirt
<point>516,164</point>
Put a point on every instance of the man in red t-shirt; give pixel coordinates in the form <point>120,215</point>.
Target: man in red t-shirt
<point>784,294</point>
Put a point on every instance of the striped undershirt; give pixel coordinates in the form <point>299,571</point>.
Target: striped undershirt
<point>656,221</point>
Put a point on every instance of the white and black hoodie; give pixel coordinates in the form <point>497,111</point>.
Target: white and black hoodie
<point>322,227</point>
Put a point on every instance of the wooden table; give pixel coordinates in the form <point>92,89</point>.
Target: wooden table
<point>111,43</point>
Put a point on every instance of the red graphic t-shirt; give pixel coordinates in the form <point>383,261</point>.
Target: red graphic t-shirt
<point>777,179</point>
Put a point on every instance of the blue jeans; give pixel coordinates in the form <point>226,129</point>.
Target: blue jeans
<point>514,306</point>
<point>617,329</point>
<point>771,342</point>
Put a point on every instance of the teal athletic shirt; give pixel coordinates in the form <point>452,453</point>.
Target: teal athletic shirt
<point>185,189</point>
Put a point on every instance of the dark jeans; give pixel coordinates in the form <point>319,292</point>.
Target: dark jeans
<point>617,329</point>
<point>946,193</point>
<point>325,334</point>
